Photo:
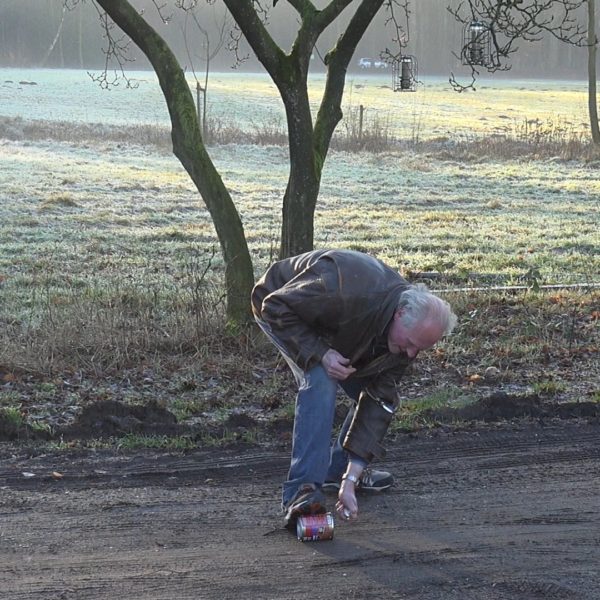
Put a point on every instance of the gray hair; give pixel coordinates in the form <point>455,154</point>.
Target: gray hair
<point>418,304</point>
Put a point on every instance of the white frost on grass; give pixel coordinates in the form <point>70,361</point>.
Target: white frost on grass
<point>84,209</point>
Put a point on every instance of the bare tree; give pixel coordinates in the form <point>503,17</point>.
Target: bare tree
<point>511,21</point>
<point>188,145</point>
<point>213,39</point>
<point>508,22</point>
<point>56,37</point>
<point>309,138</point>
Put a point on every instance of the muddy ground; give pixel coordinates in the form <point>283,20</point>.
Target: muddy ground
<point>502,511</point>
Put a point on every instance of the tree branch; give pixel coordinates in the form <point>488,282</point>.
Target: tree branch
<point>511,21</point>
<point>337,61</point>
<point>252,27</point>
<point>116,50</point>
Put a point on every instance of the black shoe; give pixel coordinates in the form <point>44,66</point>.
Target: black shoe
<point>370,481</point>
<point>309,500</point>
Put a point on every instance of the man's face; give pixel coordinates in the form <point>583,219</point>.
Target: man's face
<point>422,336</point>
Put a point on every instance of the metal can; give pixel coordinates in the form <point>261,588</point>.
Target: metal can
<point>312,528</point>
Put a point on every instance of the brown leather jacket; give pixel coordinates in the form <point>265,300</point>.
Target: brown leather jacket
<point>344,300</point>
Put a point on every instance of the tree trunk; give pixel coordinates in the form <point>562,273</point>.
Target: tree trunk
<point>189,148</point>
<point>206,72</point>
<point>302,191</point>
<point>80,36</point>
<point>56,38</point>
<point>308,145</point>
<point>299,203</point>
<point>592,48</point>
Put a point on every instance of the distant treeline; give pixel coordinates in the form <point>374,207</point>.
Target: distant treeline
<point>40,33</point>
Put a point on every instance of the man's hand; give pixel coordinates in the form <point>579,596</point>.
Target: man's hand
<point>347,506</point>
<point>336,365</point>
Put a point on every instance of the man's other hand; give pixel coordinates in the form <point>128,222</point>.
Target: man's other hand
<point>336,365</point>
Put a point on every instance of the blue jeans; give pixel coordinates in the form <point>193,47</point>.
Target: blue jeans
<point>314,458</point>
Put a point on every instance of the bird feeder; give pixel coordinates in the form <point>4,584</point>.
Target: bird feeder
<point>404,74</point>
<point>476,44</point>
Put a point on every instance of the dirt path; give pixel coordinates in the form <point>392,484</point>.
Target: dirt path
<point>495,514</point>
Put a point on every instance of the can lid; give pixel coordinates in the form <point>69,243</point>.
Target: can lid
<point>299,528</point>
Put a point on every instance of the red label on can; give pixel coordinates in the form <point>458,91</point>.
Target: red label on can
<point>312,528</point>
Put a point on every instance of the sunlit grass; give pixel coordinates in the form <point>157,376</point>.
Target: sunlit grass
<point>412,414</point>
<point>497,106</point>
<point>133,441</point>
<point>12,416</point>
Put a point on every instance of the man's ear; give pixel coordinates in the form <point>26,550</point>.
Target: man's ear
<point>398,313</point>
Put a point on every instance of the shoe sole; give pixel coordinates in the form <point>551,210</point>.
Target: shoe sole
<point>313,508</point>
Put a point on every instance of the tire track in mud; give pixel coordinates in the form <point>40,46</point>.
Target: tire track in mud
<point>431,452</point>
<point>491,515</point>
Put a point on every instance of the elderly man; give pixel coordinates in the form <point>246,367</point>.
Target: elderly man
<point>343,318</point>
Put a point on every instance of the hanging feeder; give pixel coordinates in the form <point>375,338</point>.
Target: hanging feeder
<point>476,44</point>
<point>404,74</point>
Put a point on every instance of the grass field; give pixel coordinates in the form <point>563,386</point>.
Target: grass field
<point>110,269</point>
